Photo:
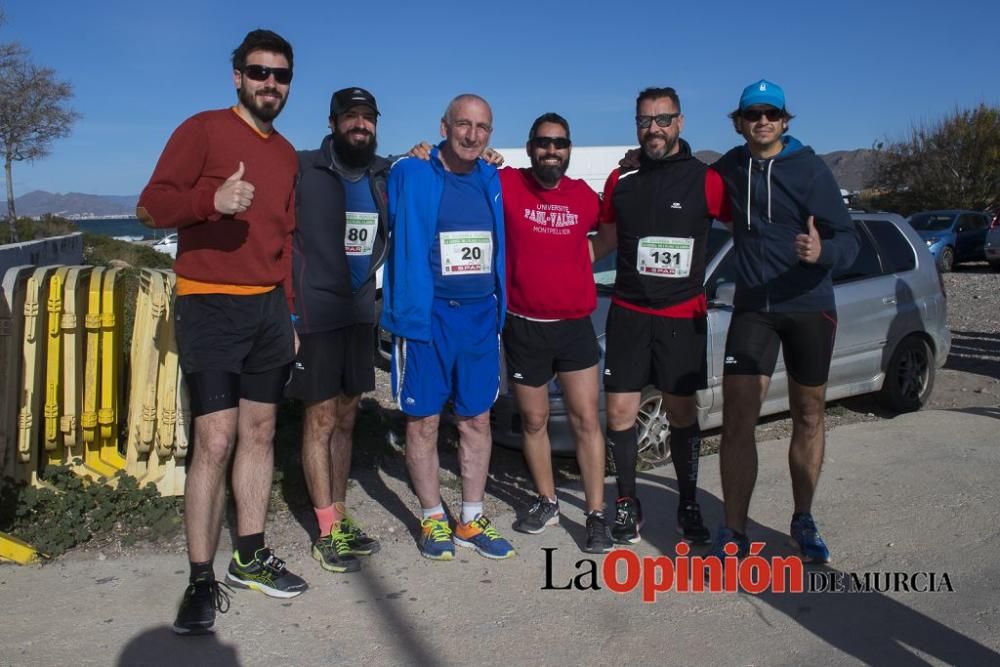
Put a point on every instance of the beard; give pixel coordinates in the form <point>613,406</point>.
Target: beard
<point>262,111</point>
<point>659,153</point>
<point>354,155</point>
<point>548,174</point>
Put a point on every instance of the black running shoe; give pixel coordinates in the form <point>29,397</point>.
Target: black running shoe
<point>598,534</point>
<point>265,573</point>
<point>628,521</point>
<point>196,615</point>
<point>360,543</point>
<point>333,551</point>
<point>690,526</point>
<point>542,513</point>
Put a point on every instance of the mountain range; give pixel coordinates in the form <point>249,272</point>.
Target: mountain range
<point>850,168</point>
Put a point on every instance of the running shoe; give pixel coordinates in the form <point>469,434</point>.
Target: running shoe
<point>598,534</point>
<point>333,551</point>
<point>202,598</point>
<point>724,537</point>
<point>690,526</point>
<point>484,538</point>
<point>628,521</point>
<point>805,535</point>
<point>542,513</point>
<point>360,543</point>
<point>265,573</point>
<point>435,539</point>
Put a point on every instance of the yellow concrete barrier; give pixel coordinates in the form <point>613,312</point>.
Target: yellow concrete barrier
<point>11,339</point>
<point>32,376</point>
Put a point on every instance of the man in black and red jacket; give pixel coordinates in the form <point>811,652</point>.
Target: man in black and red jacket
<point>656,331</point>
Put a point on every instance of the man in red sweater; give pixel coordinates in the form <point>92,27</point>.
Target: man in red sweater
<point>226,181</point>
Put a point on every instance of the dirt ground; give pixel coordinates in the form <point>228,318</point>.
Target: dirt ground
<point>380,496</point>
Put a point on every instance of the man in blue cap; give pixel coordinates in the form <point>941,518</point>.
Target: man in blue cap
<point>784,297</point>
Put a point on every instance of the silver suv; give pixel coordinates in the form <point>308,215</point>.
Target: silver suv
<point>892,335</point>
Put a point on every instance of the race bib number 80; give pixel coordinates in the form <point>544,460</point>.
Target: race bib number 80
<point>359,236</point>
<point>466,253</point>
<point>664,256</point>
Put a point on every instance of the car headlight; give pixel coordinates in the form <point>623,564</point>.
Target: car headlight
<point>932,240</point>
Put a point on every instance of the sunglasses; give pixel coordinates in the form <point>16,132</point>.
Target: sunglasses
<point>561,143</point>
<point>753,115</point>
<point>282,75</point>
<point>663,120</point>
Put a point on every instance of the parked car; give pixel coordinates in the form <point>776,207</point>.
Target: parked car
<point>892,336</point>
<point>953,236</point>
<point>167,245</point>
<point>992,248</point>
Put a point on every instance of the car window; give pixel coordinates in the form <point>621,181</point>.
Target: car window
<point>866,264</point>
<point>895,249</point>
<point>931,222</point>
<point>972,222</point>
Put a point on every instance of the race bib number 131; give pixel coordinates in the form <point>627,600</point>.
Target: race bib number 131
<point>664,256</point>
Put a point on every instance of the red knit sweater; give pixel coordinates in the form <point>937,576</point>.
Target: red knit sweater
<point>249,248</point>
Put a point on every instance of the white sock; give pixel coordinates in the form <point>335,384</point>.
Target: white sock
<point>471,511</point>
<point>428,512</point>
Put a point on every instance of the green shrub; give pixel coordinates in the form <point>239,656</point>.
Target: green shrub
<point>73,510</point>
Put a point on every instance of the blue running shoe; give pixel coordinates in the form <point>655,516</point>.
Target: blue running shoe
<point>484,538</point>
<point>805,536</point>
<point>724,537</point>
<point>435,539</point>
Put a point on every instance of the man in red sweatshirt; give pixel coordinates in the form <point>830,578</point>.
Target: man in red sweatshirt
<point>226,181</point>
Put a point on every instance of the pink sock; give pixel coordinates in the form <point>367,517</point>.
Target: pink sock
<point>326,517</point>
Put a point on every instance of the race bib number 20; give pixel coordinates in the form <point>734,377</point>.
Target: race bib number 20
<point>466,253</point>
<point>664,256</point>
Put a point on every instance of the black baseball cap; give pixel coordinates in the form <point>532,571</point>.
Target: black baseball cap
<point>346,98</point>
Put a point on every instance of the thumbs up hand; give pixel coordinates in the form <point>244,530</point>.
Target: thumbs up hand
<point>808,246</point>
<point>234,195</point>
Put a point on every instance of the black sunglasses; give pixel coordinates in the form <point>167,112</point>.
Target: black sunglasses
<point>282,75</point>
<point>561,143</point>
<point>753,115</point>
<point>662,119</point>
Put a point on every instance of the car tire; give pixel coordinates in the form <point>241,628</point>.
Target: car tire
<point>947,259</point>
<point>909,377</point>
<point>653,429</point>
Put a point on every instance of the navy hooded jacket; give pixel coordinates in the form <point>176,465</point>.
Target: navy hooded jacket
<point>771,201</point>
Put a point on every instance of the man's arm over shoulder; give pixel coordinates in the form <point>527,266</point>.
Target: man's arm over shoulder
<point>170,199</point>
<point>840,235</point>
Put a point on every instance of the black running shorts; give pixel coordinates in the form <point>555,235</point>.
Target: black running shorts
<point>334,363</point>
<point>233,347</point>
<point>535,351</point>
<point>644,349</point>
<point>805,338</point>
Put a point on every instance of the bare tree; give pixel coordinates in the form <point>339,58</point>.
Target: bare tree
<point>952,163</point>
<point>33,113</point>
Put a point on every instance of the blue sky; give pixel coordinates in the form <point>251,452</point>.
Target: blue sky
<point>854,72</point>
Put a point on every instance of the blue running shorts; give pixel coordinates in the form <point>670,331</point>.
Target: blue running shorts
<point>461,362</point>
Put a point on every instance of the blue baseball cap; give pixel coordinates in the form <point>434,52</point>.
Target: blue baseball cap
<point>762,92</point>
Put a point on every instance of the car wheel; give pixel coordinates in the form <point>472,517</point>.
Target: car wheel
<point>947,260</point>
<point>653,429</point>
<point>909,378</point>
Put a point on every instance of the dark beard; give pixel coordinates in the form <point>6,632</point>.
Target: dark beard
<point>264,114</point>
<point>668,146</point>
<point>353,156</point>
<point>548,175</point>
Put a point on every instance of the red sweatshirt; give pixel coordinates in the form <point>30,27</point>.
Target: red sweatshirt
<point>249,248</point>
